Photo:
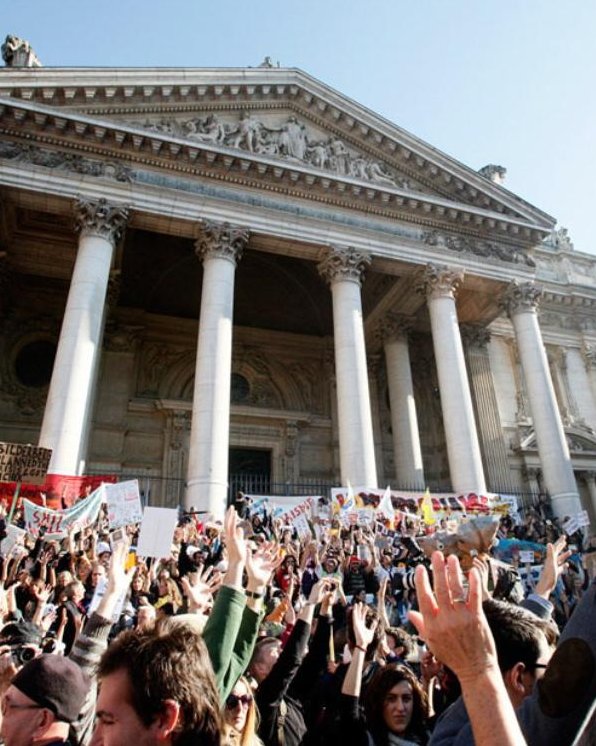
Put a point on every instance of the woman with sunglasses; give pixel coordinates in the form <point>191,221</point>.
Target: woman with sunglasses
<point>240,717</point>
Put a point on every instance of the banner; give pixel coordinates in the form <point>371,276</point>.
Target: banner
<point>23,463</point>
<point>302,508</point>
<point>124,503</point>
<point>58,522</point>
<point>60,491</point>
<point>280,505</point>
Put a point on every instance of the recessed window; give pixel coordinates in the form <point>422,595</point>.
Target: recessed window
<point>34,363</point>
<point>240,389</point>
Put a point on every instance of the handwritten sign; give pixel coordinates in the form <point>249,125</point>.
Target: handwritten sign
<point>124,503</point>
<point>23,463</point>
<point>57,523</point>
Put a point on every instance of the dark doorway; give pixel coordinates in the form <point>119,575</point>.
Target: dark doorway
<point>250,471</point>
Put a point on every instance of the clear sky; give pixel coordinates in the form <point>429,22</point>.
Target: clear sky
<point>511,82</point>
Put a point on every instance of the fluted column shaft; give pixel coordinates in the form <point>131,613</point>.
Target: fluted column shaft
<point>439,284</point>
<point>490,431</point>
<point>219,246</point>
<point>343,269</point>
<point>404,419</point>
<point>69,404</point>
<point>520,300</point>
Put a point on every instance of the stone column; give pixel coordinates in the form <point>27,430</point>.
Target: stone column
<point>490,431</point>
<point>589,478</point>
<point>220,247</point>
<point>70,398</point>
<point>520,301</point>
<point>440,284</point>
<point>404,419</point>
<point>343,270</point>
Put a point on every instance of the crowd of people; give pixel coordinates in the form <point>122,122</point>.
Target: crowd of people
<point>251,633</point>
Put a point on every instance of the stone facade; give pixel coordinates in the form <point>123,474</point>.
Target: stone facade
<point>234,262</point>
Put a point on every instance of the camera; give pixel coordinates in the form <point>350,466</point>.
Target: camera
<point>402,580</point>
<point>22,654</point>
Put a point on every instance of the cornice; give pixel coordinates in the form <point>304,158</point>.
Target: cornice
<point>72,131</point>
<point>113,88</point>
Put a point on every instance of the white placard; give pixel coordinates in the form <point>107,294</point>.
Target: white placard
<point>14,536</point>
<point>570,526</point>
<point>124,503</point>
<point>526,557</point>
<point>157,532</point>
<point>582,518</point>
<point>100,590</point>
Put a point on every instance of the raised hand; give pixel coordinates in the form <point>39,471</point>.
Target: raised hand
<point>363,635</point>
<point>554,564</point>
<point>453,625</point>
<point>261,564</point>
<point>200,587</point>
<point>234,538</point>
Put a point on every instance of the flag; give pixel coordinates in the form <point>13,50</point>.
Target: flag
<point>349,502</point>
<point>427,510</point>
<point>385,504</point>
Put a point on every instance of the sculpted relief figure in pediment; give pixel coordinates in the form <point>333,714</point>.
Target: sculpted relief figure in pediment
<point>289,140</point>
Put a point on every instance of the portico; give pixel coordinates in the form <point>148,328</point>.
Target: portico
<point>264,227</point>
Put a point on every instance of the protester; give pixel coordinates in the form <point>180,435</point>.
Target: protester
<point>299,635</point>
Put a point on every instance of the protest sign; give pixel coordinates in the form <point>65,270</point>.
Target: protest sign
<point>57,523</point>
<point>303,507</point>
<point>23,463</point>
<point>526,557</point>
<point>157,532</point>
<point>582,518</point>
<point>300,523</point>
<point>124,503</point>
<point>14,536</point>
<point>100,590</point>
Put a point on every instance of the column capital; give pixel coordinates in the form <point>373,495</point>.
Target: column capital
<point>394,326</point>
<point>343,263</point>
<point>519,297</point>
<point>221,240</point>
<point>100,218</point>
<point>438,281</point>
<point>474,335</point>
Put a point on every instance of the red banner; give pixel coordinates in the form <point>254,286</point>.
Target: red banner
<point>60,491</point>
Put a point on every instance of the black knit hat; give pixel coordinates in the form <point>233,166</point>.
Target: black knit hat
<point>20,633</point>
<point>54,682</point>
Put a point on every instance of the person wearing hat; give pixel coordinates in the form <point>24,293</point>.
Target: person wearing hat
<point>44,698</point>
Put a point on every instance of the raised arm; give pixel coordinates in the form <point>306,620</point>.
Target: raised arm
<point>457,633</point>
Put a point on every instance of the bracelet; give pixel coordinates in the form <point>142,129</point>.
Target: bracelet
<point>254,594</point>
<point>359,647</point>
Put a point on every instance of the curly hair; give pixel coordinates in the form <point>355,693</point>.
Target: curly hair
<point>374,701</point>
<point>169,661</point>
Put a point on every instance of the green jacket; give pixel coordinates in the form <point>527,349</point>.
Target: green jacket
<point>230,635</point>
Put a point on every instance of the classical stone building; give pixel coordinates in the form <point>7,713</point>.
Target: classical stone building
<point>230,270</point>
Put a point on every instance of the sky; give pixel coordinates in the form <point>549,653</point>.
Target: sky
<point>509,82</point>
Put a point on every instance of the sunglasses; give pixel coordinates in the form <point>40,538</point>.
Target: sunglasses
<point>233,701</point>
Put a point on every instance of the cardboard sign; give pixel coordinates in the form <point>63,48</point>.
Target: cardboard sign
<point>157,532</point>
<point>124,503</point>
<point>23,463</point>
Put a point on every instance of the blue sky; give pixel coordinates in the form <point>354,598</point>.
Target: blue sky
<point>511,82</point>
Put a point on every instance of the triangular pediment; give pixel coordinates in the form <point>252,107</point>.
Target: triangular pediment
<point>578,440</point>
<point>269,123</point>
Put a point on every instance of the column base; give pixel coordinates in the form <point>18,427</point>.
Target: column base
<point>565,504</point>
<point>207,496</point>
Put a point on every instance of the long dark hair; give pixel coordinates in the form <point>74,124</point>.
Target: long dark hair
<point>374,700</point>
